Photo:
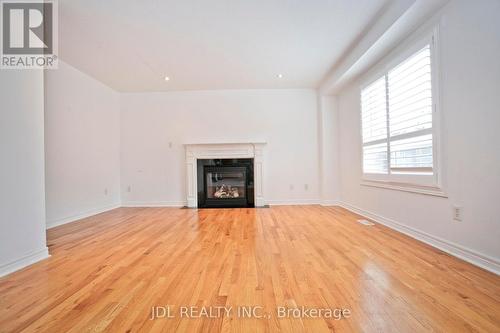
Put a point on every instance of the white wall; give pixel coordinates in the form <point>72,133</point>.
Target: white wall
<point>286,119</point>
<point>470,107</point>
<point>82,145</point>
<point>22,199</point>
<point>328,131</point>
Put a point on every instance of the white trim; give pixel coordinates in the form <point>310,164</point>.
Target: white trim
<point>293,202</point>
<point>330,202</point>
<point>478,259</point>
<point>154,204</point>
<point>405,187</point>
<point>82,215</point>
<point>222,142</point>
<point>24,261</point>
<point>285,202</point>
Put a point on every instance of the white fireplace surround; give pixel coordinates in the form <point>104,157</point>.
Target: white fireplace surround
<point>195,151</point>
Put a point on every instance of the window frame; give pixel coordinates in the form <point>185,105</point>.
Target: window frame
<point>425,184</point>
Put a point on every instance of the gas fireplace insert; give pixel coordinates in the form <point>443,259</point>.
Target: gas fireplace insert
<point>225,183</point>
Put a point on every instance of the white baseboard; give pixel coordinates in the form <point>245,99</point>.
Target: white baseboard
<point>184,203</point>
<point>329,203</point>
<point>82,215</point>
<point>154,204</point>
<point>459,251</point>
<point>24,261</point>
<point>291,202</point>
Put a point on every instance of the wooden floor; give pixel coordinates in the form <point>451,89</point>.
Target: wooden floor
<point>108,271</point>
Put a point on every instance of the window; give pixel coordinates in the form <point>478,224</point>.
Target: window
<point>397,113</point>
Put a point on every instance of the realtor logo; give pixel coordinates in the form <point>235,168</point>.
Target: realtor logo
<point>29,34</point>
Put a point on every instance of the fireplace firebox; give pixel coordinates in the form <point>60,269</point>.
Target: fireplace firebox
<point>225,183</point>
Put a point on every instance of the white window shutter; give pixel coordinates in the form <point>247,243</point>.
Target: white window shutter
<point>374,114</point>
<point>396,116</point>
<point>374,123</point>
<point>410,114</point>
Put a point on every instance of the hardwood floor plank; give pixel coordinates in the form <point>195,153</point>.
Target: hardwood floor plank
<point>106,273</point>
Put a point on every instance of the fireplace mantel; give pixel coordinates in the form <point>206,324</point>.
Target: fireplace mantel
<point>195,151</point>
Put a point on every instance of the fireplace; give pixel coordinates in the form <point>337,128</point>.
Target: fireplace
<point>250,155</point>
<point>225,183</point>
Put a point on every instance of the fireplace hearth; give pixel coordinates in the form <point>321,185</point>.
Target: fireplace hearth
<point>225,183</point>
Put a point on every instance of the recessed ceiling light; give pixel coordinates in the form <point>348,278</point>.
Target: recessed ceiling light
<point>279,76</point>
<point>167,78</point>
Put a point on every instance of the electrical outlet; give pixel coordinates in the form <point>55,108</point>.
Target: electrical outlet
<point>129,188</point>
<point>170,145</point>
<point>457,213</point>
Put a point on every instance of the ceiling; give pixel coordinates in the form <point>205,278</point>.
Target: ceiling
<point>221,44</point>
